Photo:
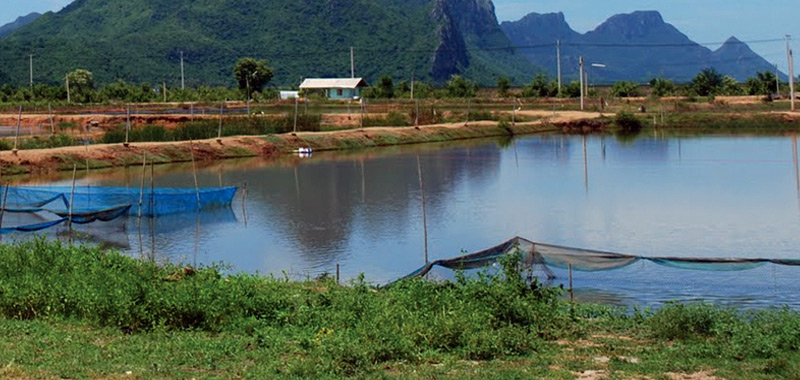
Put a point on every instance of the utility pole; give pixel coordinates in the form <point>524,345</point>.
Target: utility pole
<point>67,80</point>
<point>183,77</point>
<point>580,62</point>
<point>791,70</point>
<point>412,86</point>
<point>296,104</point>
<point>558,53</point>
<point>352,62</point>
<point>31,64</point>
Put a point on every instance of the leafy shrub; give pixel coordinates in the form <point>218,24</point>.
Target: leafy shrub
<point>680,322</point>
<point>623,89</point>
<point>393,119</point>
<point>627,124</point>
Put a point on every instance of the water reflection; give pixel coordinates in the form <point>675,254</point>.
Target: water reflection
<point>694,197</point>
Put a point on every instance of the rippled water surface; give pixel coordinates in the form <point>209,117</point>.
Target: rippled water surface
<point>694,197</point>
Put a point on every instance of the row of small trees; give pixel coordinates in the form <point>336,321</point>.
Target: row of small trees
<point>708,82</point>
<point>252,76</point>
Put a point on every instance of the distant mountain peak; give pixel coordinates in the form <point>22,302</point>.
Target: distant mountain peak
<point>637,25</point>
<point>18,23</point>
<point>536,28</point>
<point>634,46</point>
<point>733,40</point>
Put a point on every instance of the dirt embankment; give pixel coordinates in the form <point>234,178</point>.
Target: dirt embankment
<point>110,155</point>
<point>85,123</point>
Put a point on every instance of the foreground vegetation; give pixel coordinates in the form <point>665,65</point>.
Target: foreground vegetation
<point>80,312</point>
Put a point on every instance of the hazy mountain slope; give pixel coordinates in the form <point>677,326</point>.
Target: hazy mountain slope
<point>18,23</point>
<point>635,46</point>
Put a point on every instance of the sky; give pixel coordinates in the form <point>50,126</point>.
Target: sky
<point>704,21</point>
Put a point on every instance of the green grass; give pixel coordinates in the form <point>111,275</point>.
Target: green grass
<point>704,123</point>
<point>80,312</point>
<point>40,142</point>
<point>209,129</point>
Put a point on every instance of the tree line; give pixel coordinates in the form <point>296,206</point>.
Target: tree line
<point>253,76</point>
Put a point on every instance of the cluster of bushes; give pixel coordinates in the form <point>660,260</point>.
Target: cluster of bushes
<point>342,329</point>
<point>208,129</point>
<point>121,91</point>
<point>456,87</point>
<point>39,142</point>
<point>322,327</point>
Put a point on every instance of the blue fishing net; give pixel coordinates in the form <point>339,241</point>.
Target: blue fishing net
<point>161,201</point>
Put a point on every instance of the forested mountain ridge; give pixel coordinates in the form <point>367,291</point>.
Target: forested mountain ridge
<point>142,40</point>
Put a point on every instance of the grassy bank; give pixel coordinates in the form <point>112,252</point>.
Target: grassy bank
<point>270,145</point>
<point>79,312</point>
<point>706,123</point>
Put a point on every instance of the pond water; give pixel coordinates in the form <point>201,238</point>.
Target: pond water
<point>691,197</point>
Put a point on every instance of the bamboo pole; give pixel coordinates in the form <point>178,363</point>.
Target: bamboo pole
<point>194,174</point>
<point>52,123</point>
<point>571,292</point>
<point>424,210</point>
<point>416,114</point>
<point>127,126</point>
<point>141,187</point>
<point>152,190</point>
<point>469,106</point>
<point>3,207</point>
<point>296,104</point>
<point>219,130</point>
<point>244,202</point>
<point>72,195</point>
<point>16,135</point>
<point>514,113</point>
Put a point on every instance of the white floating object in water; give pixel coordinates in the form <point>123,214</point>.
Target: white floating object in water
<point>303,152</point>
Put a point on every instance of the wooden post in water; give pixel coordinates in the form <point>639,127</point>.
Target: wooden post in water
<point>152,190</point>
<point>244,202</point>
<point>424,210</point>
<point>585,166</point>
<point>72,196</point>
<point>3,207</point>
<point>796,166</point>
<point>194,173</point>
<point>141,187</point>
<point>337,274</point>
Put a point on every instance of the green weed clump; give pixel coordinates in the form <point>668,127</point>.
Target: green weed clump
<point>759,334</point>
<point>627,124</point>
<point>39,142</point>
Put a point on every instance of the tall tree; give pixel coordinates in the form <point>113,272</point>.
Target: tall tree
<point>252,74</point>
<point>708,82</point>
